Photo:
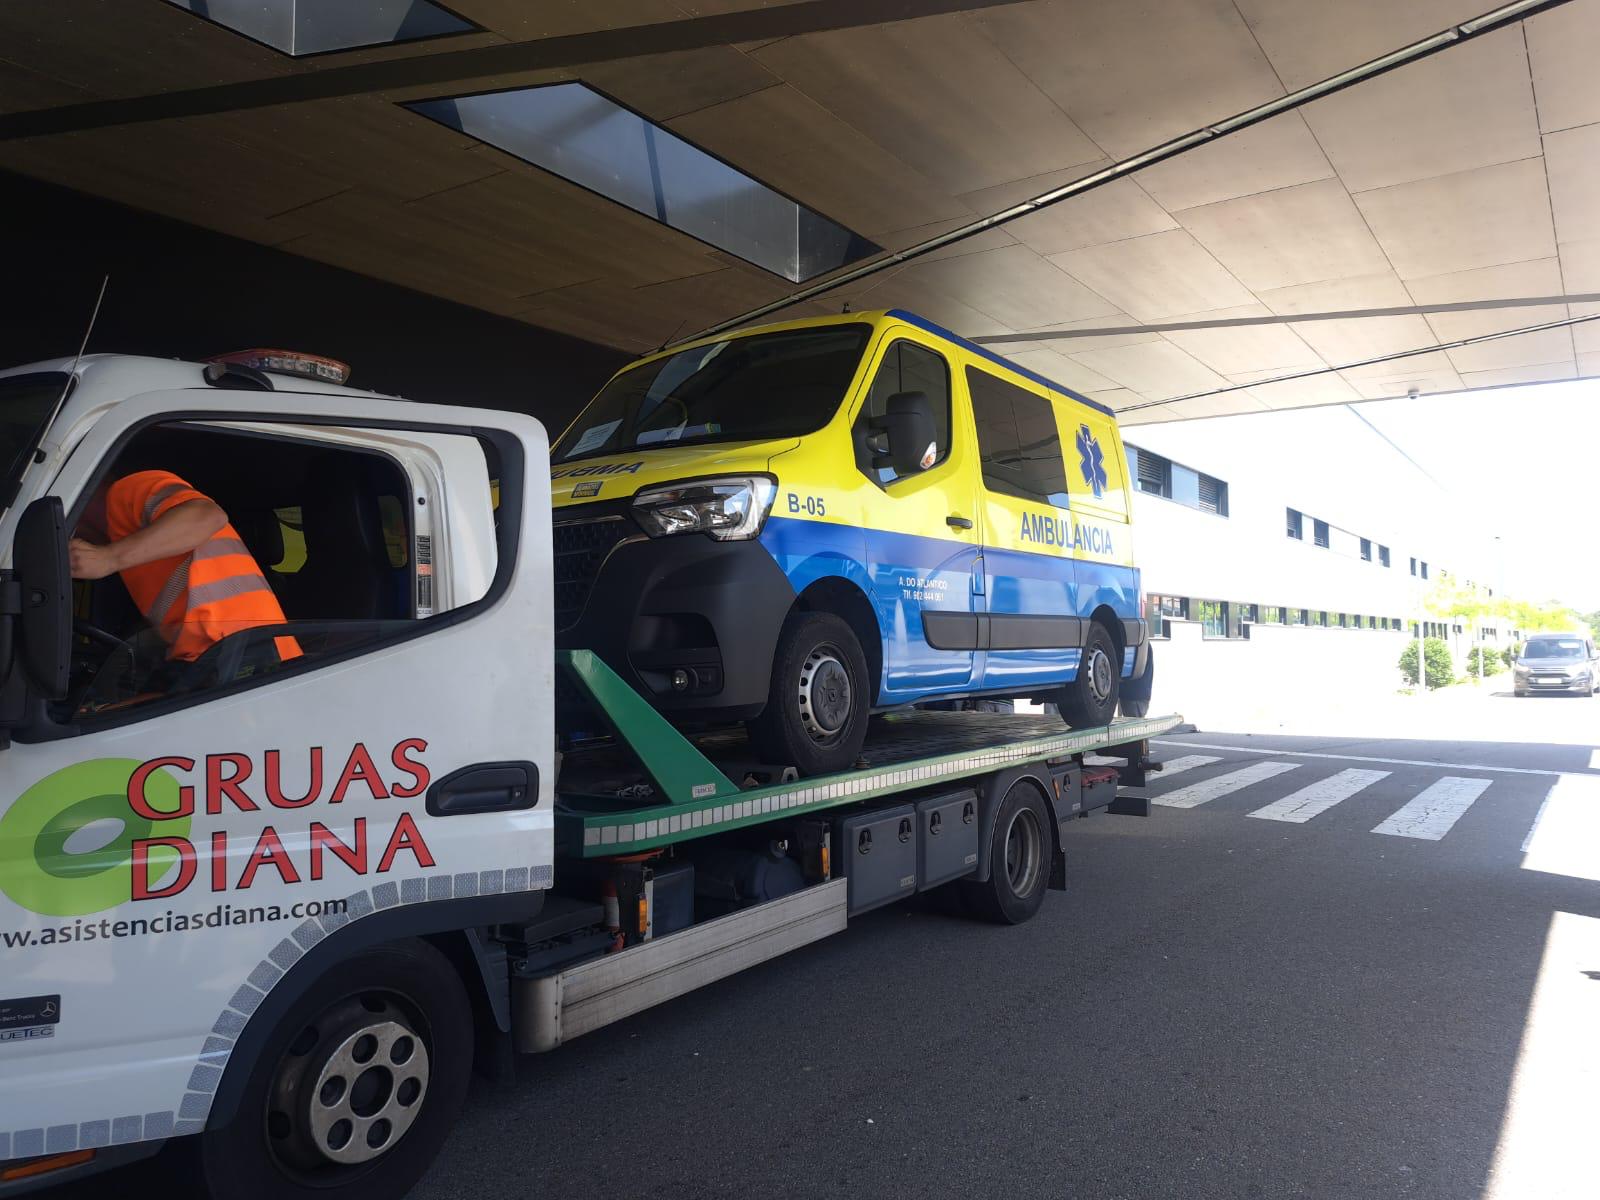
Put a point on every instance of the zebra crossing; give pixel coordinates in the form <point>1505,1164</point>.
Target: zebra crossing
<point>1428,814</point>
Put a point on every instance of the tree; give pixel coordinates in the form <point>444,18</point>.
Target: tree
<point>1441,672</point>
<point>1481,660</point>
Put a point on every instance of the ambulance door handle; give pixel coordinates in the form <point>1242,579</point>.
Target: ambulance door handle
<point>956,522</point>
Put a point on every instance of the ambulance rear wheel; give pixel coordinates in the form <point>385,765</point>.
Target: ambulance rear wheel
<point>818,701</point>
<point>1091,698</point>
<point>356,1088</point>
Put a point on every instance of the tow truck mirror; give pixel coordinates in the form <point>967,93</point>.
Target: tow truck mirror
<point>908,443</point>
<point>43,632</point>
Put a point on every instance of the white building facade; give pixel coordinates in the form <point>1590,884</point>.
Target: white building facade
<point>1295,549</point>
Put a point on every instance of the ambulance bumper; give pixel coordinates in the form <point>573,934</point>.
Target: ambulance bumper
<point>690,622</point>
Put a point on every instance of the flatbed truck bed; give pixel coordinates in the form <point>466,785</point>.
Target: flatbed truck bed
<point>642,797</point>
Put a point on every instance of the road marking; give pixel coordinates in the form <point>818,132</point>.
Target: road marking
<point>1431,812</point>
<point>1394,762</point>
<point>1211,789</point>
<point>1565,838</point>
<point>1187,762</point>
<point>1319,797</point>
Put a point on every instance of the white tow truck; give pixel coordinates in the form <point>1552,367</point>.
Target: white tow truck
<point>275,910</point>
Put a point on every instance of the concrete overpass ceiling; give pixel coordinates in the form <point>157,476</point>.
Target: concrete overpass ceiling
<point>1468,178</point>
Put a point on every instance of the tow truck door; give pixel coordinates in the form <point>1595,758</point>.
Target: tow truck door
<point>163,865</point>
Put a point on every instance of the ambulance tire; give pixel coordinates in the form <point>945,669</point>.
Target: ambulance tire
<point>1135,698</point>
<point>407,1000</point>
<point>1019,860</point>
<point>1091,698</point>
<point>818,700</point>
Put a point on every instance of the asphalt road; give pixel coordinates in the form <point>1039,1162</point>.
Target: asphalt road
<point>1220,1005</point>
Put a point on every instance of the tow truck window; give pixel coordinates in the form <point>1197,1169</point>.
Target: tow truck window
<point>26,402</point>
<point>319,546</point>
<point>768,385</point>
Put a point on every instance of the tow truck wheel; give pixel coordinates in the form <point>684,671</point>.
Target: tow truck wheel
<point>356,1088</point>
<point>818,702</point>
<point>1019,860</point>
<point>1091,698</point>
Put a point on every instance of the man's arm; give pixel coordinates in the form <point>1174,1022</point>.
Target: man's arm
<point>182,528</point>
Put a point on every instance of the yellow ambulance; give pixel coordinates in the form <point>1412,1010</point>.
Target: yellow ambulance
<point>799,525</point>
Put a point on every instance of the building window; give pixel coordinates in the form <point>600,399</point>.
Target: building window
<point>1018,445</point>
<point>1413,566</point>
<point>1271,614</point>
<point>1319,532</point>
<point>298,28</point>
<point>1366,550</point>
<point>1154,472</point>
<point>574,132</point>
<point>1424,570</point>
<point>1213,618</point>
<point>1159,610</point>
<point>1158,476</point>
<point>1296,529</point>
<point>1383,556</point>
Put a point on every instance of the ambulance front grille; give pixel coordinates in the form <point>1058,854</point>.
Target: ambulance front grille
<point>579,549</point>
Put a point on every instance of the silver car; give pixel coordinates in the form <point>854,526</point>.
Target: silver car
<point>1557,662</point>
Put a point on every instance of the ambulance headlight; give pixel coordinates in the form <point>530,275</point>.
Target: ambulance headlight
<point>730,510</point>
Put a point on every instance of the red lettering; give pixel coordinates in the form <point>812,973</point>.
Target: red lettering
<point>274,781</point>
<point>141,867</point>
<point>406,836</point>
<point>219,861</point>
<point>359,767</point>
<point>269,852</point>
<point>354,857</point>
<point>411,766</point>
<point>218,787</point>
<point>136,784</point>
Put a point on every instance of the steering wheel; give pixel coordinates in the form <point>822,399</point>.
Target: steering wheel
<point>99,636</point>
<point>86,666</point>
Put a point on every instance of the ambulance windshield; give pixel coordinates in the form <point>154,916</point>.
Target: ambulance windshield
<point>767,385</point>
<point>26,403</point>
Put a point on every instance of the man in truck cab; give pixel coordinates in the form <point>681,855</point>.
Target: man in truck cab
<point>185,567</point>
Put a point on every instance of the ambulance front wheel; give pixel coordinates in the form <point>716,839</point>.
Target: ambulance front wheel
<point>818,700</point>
<point>1091,698</point>
<point>356,1088</point>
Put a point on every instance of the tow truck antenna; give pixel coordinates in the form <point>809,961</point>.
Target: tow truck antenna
<point>72,375</point>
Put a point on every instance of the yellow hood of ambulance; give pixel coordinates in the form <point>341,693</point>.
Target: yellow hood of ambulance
<point>618,476</point>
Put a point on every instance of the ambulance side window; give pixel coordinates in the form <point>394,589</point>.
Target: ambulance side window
<point>906,367</point>
<point>1018,442</point>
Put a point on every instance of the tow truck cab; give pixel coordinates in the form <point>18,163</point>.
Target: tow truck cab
<point>223,839</point>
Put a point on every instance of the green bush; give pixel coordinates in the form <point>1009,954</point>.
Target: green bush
<point>1492,663</point>
<point>1441,672</point>
<point>1510,654</point>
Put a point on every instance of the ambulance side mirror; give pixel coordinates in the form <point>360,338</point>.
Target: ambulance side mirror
<point>908,443</point>
<point>42,631</point>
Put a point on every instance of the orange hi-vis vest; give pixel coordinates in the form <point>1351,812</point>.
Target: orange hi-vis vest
<point>194,599</point>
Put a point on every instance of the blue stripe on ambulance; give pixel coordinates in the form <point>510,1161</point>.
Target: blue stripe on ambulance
<point>902,574</point>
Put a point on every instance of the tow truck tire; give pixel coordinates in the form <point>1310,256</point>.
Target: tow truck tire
<point>356,1088</point>
<point>1091,698</point>
<point>818,702</point>
<point>1019,860</point>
